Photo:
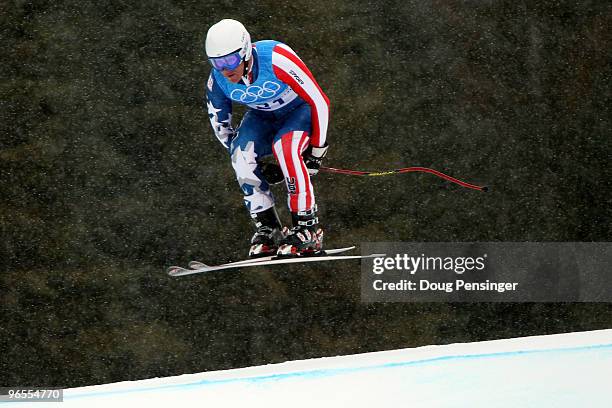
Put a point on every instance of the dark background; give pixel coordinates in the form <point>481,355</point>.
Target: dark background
<point>110,172</point>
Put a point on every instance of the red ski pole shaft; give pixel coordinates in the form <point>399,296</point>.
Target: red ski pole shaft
<point>404,170</point>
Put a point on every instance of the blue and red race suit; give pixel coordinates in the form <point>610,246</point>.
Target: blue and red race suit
<point>287,112</point>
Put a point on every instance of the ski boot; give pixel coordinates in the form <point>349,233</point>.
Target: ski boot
<point>305,238</point>
<point>265,240</point>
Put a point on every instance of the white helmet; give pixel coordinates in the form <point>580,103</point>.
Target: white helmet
<point>228,36</point>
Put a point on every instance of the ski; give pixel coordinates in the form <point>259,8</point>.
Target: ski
<point>328,255</point>
<point>200,265</point>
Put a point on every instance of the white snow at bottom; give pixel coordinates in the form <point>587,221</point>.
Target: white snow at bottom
<point>562,370</point>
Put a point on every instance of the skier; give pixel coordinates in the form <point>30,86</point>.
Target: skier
<point>287,116</point>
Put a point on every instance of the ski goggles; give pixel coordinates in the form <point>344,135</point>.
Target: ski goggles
<point>229,62</point>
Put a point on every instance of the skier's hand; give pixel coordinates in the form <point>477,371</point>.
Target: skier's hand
<point>313,157</point>
<point>272,173</point>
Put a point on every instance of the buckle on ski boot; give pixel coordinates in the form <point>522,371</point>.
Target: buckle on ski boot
<point>265,240</point>
<point>305,238</point>
<point>300,243</point>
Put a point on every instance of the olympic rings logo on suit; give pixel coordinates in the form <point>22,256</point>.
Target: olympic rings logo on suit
<point>255,92</point>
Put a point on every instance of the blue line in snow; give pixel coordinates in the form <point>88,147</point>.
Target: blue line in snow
<point>339,371</point>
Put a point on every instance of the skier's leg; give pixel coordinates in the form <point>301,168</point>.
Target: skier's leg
<point>253,142</point>
<point>288,149</point>
<point>289,143</point>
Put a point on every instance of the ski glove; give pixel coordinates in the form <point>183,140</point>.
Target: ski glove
<point>313,157</point>
<point>272,173</point>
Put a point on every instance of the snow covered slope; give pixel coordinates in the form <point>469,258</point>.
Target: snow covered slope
<point>564,370</point>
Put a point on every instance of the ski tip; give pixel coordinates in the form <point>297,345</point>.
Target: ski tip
<point>174,270</point>
<point>485,189</point>
<point>197,265</point>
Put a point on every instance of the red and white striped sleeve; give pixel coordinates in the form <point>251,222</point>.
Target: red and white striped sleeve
<point>289,68</point>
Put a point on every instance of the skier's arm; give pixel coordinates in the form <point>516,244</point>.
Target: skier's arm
<point>289,68</point>
<point>219,112</point>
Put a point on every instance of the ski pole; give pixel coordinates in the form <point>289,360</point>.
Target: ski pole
<point>404,170</point>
